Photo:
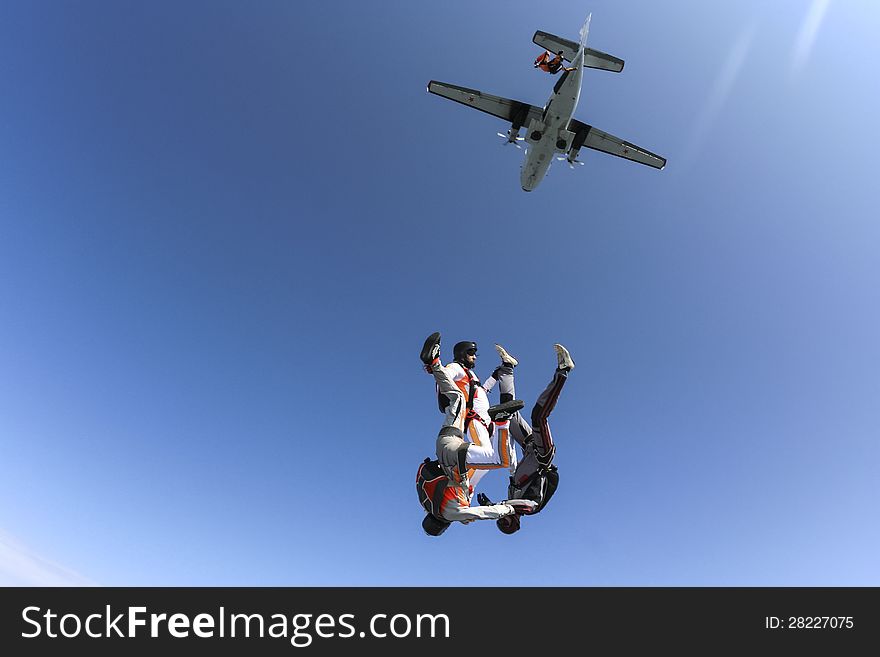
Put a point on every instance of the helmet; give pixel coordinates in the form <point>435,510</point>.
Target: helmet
<point>433,525</point>
<point>508,524</point>
<point>461,348</point>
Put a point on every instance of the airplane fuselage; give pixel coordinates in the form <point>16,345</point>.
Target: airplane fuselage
<point>550,135</point>
<point>551,129</point>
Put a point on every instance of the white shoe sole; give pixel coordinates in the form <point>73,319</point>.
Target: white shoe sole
<point>506,358</point>
<point>563,357</point>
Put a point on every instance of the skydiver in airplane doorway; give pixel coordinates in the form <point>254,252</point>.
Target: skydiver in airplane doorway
<point>552,66</point>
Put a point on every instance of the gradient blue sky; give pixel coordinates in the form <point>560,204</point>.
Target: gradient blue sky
<point>227,227</point>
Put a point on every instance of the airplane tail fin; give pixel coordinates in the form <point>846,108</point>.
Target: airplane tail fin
<point>570,49</point>
<point>585,30</point>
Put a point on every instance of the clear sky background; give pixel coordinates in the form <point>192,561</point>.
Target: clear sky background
<point>226,229</point>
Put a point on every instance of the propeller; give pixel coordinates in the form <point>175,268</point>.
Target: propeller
<point>508,140</point>
<point>571,163</point>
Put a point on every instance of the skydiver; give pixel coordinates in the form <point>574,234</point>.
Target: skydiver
<point>450,496</point>
<point>477,427</point>
<point>535,478</point>
<point>554,65</point>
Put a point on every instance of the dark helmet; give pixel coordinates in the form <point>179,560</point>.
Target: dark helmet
<point>508,524</point>
<point>433,525</point>
<point>461,348</point>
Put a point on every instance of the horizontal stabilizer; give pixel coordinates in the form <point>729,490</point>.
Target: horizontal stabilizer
<point>592,58</point>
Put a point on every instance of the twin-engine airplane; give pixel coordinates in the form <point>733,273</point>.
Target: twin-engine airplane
<point>552,129</point>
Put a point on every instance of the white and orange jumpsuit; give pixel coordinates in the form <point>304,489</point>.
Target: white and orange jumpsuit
<point>490,447</point>
<point>466,461</point>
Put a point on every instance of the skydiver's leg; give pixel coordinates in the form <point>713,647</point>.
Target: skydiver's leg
<point>475,458</point>
<point>492,453</point>
<point>487,452</point>
<point>535,477</point>
<point>475,476</point>
<point>519,428</point>
<point>541,436</point>
<point>539,448</point>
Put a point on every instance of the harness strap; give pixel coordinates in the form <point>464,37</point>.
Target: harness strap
<point>472,389</point>
<point>472,415</point>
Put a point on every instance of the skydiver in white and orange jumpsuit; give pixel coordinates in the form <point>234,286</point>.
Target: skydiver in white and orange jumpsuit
<point>464,461</point>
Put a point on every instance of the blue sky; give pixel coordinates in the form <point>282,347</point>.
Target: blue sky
<point>227,227</point>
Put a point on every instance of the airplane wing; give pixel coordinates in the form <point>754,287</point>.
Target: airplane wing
<point>601,141</point>
<point>592,58</point>
<point>513,111</point>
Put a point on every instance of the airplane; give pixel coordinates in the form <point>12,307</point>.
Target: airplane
<point>551,129</point>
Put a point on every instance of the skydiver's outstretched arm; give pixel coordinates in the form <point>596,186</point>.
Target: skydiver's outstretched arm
<point>489,512</point>
<point>446,388</point>
<point>451,447</point>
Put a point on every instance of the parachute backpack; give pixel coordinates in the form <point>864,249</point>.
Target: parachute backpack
<point>431,484</point>
<point>539,487</point>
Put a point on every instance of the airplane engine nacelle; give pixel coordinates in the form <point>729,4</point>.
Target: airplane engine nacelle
<point>535,132</point>
<point>580,137</point>
<point>564,141</point>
